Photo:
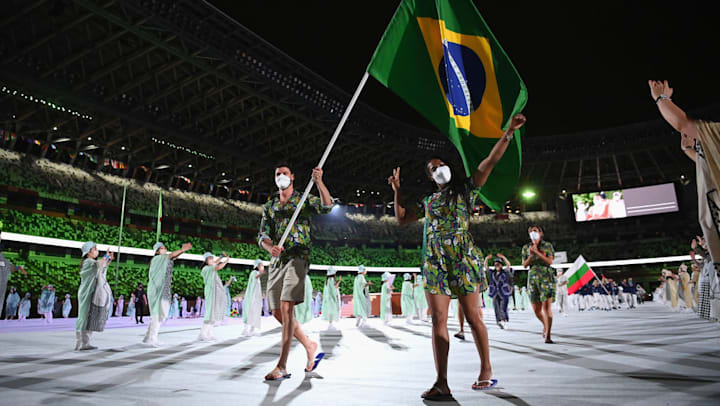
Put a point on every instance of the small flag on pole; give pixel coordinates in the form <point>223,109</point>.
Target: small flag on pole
<point>441,58</point>
<point>578,275</point>
<point>159,219</point>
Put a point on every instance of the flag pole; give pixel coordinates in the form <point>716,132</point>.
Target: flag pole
<point>122,222</point>
<point>329,148</point>
<point>600,282</point>
<point>159,219</point>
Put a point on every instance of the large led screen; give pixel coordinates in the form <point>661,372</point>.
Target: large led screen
<point>621,203</point>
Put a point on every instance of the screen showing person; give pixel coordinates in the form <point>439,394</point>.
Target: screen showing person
<point>613,204</point>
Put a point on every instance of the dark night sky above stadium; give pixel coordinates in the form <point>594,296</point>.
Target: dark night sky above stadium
<point>586,64</point>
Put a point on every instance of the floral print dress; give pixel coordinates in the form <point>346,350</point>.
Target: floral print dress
<point>453,265</point>
<point>541,277</point>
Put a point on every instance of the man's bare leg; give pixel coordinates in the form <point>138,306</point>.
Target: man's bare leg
<point>290,329</point>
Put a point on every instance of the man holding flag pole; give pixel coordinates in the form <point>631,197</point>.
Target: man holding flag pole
<point>290,265</point>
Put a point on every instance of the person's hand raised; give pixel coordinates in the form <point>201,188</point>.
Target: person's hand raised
<point>658,88</point>
<point>517,121</point>
<point>394,180</point>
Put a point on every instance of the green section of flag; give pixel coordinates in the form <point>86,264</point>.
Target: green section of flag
<point>578,274</point>
<point>430,46</point>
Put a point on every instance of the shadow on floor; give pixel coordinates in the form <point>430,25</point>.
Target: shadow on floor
<point>329,340</point>
<point>273,387</point>
<point>379,336</point>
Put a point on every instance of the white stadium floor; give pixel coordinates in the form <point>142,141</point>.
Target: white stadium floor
<point>646,356</point>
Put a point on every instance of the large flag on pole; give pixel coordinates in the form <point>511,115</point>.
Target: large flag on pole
<point>578,275</point>
<point>442,59</point>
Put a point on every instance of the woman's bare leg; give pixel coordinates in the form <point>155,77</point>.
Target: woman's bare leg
<point>439,305</point>
<point>461,319</point>
<point>547,310</point>
<point>469,303</point>
<point>538,309</point>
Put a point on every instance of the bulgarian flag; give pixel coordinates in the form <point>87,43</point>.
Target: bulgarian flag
<point>441,58</point>
<point>578,275</point>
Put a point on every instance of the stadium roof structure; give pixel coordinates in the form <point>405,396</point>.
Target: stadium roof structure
<point>177,89</point>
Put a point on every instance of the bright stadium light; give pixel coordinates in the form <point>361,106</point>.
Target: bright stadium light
<point>528,194</point>
<point>336,209</point>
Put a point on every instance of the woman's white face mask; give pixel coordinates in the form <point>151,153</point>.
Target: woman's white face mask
<point>282,181</point>
<point>442,175</point>
<point>534,235</point>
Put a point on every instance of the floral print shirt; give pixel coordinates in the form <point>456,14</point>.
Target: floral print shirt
<point>276,217</point>
<point>537,264</point>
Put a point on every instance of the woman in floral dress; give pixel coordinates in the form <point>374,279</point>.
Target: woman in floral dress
<point>538,255</point>
<point>452,264</point>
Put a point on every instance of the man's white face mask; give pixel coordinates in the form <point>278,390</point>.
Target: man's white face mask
<point>442,175</point>
<point>534,235</point>
<point>282,181</point>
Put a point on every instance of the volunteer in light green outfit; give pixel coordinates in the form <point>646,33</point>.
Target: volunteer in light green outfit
<point>524,298</point>
<point>421,304</point>
<point>6,268</point>
<point>407,302</point>
<point>361,297</point>
<point>158,293</point>
<point>214,294</point>
<point>93,295</point>
<point>11,304</point>
<point>331,301</point>
<point>303,311</point>
<point>252,305</point>
<point>386,298</point>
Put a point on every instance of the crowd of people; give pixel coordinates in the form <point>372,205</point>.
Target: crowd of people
<point>695,289</point>
<point>700,142</point>
<point>602,294</point>
<point>65,181</point>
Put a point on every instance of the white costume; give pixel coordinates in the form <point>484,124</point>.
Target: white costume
<point>561,293</point>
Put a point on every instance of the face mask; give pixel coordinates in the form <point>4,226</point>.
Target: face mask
<point>534,235</point>
<point>282,181</point>
<point>442,175</point>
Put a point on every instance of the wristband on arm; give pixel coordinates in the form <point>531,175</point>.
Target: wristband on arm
<point>662,97</point>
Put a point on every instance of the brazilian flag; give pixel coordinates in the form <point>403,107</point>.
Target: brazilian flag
<point>442,59</point>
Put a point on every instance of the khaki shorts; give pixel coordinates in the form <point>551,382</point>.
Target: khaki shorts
<point>286,282</point>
